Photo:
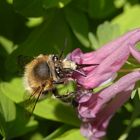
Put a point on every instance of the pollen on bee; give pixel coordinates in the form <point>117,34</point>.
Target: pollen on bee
<point>69,64</point>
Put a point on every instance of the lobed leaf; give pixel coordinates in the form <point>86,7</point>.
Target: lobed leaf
<point>129,19</point>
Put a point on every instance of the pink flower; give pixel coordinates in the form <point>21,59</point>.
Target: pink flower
<point>111,57</point>
<point>96,110</point>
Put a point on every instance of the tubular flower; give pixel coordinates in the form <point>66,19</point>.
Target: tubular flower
<point>96,110</point>
<point>110,58</point>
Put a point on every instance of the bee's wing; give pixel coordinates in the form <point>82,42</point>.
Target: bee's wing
<point>32,100</point>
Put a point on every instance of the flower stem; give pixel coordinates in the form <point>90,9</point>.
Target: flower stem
<point>129,70</point>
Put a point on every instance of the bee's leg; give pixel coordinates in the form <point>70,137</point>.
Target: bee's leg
<point>58,82</point>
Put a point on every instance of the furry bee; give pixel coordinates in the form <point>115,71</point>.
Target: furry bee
<point>45,71</point>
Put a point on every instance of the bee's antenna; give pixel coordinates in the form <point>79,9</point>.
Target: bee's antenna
<point>80,72</point>
<point>79,66</point>
<point>62,51</point>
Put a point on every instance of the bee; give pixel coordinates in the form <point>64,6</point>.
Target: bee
<point>44,72</point>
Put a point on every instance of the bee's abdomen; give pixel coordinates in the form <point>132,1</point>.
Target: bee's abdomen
<point>42,71</point>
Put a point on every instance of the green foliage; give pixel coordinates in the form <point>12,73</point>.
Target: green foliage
<point>129,19</point>
<point>13,120</point>
<point>55,3</point>
<point>105,32</point>
<point>101,8</point>
<point>74,17</point>
<point>62,133</point>
<point>32,27</point>
<point>70,135</point>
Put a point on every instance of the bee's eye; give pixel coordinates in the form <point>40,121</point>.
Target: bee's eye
<point>42,70</point>
<point>55,58</point>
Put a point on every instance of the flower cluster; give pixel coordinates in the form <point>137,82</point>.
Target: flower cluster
<point>96,110</point>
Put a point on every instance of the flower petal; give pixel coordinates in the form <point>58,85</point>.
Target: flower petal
<point>99,124</point>
<point>106,69</point>
<point>110,58</point>
<point>99,109</point>
<point>98,100</point>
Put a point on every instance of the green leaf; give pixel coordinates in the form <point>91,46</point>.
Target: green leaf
<point>7,45</point>
<point>7,113</point>
<point>9,33</point>
<point>14,89</point>
<point>5,49</point>
<point>101,8</point>
<point>12,119</point>
<point>72,134</point>
<point>133,93</point>
<point>132,63</point>
<point>55,110</point>
<point>80,4</point>
<point>51,109</point>
<point>93,41</point>
<point>55,3</point>
<point>138,45</point>
<point>30,8</point>
<point>120,3</point>
<point>107,32</point>
<point>35,21</point>
<point>79,25</point>
<point>139,93</point>
<point>35,8</point>
<point>129,19</point>
<point>58,132</point>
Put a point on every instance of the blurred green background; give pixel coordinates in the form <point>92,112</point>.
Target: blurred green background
<point>32,27</point>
